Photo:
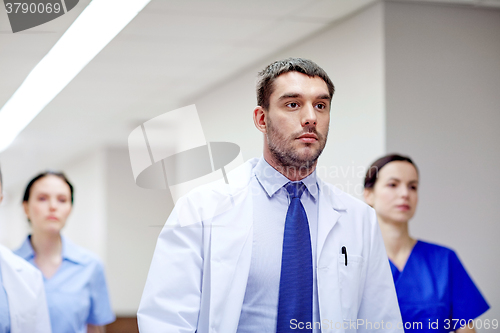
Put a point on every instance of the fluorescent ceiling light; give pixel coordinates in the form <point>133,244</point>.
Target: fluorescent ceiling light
<point>96,26</point>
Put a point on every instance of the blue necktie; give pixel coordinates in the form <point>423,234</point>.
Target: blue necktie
<point>296,281</point>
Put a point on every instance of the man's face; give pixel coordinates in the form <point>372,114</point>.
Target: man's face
<point>297,120</point>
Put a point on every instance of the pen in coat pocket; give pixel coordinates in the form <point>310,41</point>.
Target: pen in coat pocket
<point>344,252</point>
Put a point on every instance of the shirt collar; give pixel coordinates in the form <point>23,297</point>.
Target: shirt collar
<point>272,181</point>
<point>69,251</point>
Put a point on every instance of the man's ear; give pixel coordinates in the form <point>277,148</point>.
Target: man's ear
<point>368,195</point>
<point>260,119</point>
<point>1,197</point>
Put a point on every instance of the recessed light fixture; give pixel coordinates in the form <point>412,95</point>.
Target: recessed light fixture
<point>96,26</point>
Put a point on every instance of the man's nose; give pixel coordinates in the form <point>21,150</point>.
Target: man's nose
<point>309,115</point>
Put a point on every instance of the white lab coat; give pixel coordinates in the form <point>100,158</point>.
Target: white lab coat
<point>199,271</point>
<point>23,284</point>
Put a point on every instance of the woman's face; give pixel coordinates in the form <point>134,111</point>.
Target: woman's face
<point>49,204</point>
<point>394,196</point>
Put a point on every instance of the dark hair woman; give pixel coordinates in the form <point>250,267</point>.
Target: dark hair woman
<point>75,285</point>
<point>432,285</point>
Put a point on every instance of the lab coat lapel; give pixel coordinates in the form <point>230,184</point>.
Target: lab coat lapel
<point>230,255</point>
<point>330,210</point>
<point>12,275</point>
<point>328,214</point>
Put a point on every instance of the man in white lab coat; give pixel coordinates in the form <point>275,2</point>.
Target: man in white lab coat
<point>23,307</point>
<point>276,249</point>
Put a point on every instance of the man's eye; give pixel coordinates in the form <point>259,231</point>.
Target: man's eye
<point>321,106</point>
<point>293,105</point>
<point>391,185</point>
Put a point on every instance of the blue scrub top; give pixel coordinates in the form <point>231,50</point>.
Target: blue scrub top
<point>4,308</point>
<point>434,288</point>
<point>77,294</point>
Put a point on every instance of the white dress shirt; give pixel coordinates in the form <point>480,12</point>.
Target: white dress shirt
<point>271,200</point>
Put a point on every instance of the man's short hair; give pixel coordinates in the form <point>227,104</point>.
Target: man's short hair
<point>269,74</point>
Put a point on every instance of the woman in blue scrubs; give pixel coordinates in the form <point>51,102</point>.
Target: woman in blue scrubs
<point>75,285</point>
<point>435,293</point>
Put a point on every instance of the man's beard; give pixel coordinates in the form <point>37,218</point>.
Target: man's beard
<point>282,150</point>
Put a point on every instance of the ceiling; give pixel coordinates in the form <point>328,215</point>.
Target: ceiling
<point>171,52</point>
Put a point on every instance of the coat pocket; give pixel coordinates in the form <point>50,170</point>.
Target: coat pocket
<point>349,280</point>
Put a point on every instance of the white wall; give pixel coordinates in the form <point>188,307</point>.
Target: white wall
<point>13,223</point>
<point>87,225</point>
<point>443,102</point>
<point>351,52</point>
<point>135,217</point>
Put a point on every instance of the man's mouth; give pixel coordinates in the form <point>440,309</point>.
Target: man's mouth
<point>308,138</point>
